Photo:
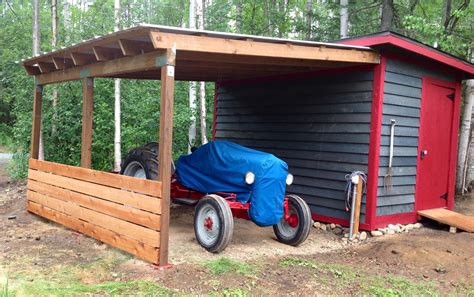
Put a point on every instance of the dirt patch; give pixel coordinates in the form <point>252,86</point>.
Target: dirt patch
<point>41,257</point>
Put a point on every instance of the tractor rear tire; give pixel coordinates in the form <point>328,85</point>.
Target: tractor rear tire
<point>141,162</point>
<point>294,235</point>
<point>213,223</point>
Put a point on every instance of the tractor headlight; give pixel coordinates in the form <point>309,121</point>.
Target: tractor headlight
<point>249,178</point>
<point>289,179</point>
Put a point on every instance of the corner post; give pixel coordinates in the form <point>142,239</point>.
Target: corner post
<point>36,125</point>
<point>165,148</point>
<point>87,120</point>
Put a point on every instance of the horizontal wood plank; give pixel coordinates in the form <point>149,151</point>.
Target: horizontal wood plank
<point>144,251</point>
<point>140,201</point>
<point>206,44</point>
<point>116,210</point>
<point>144,186</point>
<point>134,231</point>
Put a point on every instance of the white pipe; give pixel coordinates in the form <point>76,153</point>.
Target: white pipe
<point>355,182</point>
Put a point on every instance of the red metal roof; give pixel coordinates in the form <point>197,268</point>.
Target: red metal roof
<point>411,45</point>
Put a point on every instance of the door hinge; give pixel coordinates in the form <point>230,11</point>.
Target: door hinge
<point>450,96</point>
<point>444,196</point>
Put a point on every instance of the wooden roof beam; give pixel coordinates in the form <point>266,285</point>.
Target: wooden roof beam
<point>261,49</point>
<point>46,67</point>
<point>111,68</point>
<point>32,70</point>
<point>80,59</point>
<point>134,47</point>
<point>62,63</point>
<point>106,53</point>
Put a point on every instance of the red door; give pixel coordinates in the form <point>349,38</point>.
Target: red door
<point>434,147</point>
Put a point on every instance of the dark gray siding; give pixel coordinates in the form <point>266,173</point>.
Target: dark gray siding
<point>319,126</point>
<point>402,102</point>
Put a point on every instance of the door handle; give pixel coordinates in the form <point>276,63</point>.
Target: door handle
<point>423,154</point>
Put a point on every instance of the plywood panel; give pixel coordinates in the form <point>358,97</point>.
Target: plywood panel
<point>115,209</point>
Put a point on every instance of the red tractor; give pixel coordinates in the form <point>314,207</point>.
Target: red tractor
<point>225,180</point>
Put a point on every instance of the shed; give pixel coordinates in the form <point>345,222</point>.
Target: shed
<point>129,213</point>
<point>325,108</point>
<point>328,123</point>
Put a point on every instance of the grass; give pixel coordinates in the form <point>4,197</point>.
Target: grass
<point>136,287</point>
<point>95,278</point>
<point>5,291</point>
<point>223,265</point>
<point>344,276</point>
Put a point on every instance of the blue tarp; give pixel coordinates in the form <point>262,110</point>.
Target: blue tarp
<point>220,166</point>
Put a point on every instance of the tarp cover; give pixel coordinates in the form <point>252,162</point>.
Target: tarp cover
<point>220,166</point>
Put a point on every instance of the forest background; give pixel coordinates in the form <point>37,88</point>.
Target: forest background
<point>445,24</point>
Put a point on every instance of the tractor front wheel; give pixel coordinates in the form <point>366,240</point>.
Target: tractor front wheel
<point>295,225</point>
<point>213,223</point>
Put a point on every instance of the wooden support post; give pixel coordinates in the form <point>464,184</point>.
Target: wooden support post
<point>87,109</point>
<point>36,126</point>
<point>358,202</point>
<point>165,155</point>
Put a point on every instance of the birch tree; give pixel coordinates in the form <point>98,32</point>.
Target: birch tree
<point>309,19</point>
<point>117,110</point>
<point>192,84</point>
<point>202,85</point>
<point>36,51</point>
<point>344,18</point>
<point>66,21</point>
<point>54,44</point>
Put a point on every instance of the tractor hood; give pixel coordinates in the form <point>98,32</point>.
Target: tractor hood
<point>220,166</point>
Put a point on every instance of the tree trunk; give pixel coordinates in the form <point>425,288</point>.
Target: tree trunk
<point>66,21</point>
<point>200,7</point>
<point>464,135</point>
<point>344,19</point>
<point>387,15</point>
<point>446,14</point>
<point>54,44</point>
<point>36,51</point>
<point>117,109</point>
<point>309,19</point>
<point>238,17</point>
<point>192,84</point>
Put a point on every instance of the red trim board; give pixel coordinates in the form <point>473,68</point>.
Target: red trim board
<point>399,218</point>
<point>413,47</point>
<point>374,146</point>
<point>341,222</point>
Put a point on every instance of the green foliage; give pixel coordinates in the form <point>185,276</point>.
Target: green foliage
<point>18,167</point>
<point>422,20</point>
<point>224,265</point>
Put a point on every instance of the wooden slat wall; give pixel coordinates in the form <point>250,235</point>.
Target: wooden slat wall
<point>122,211</point>
<point>402,101</point>
<point>319,126</point>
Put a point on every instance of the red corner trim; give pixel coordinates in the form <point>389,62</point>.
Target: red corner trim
<point>413,47</point>
<point>374,147</point>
